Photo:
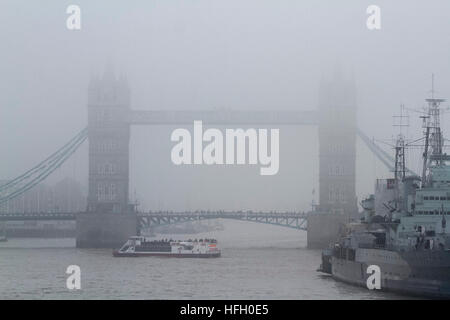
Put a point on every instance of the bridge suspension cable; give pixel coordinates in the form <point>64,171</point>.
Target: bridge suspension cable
<point>382,155</point>
<point>38,173</point>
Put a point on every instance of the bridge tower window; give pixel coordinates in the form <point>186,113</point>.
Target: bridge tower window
<point>107,168</point>
<point>100,191</point>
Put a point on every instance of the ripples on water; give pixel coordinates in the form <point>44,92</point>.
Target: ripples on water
<point>258,262</point>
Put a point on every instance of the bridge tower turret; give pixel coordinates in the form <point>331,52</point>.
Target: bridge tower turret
<point>109,219</point>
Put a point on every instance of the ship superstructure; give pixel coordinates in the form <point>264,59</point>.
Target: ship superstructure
<point>139,246</point>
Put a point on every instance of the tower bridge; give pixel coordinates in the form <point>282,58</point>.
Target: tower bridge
<point>110,218</point>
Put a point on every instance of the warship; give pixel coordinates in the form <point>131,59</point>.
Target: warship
<point>403,232</point>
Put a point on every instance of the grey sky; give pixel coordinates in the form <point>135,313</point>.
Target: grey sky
<point>190,54</point>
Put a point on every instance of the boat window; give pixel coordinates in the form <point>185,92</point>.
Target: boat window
<point>443,198</point>
<point>431,197</point>
<point>425,198</point>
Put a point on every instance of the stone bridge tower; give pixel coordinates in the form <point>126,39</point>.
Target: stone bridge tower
<point>337,146</point>
<point>337,161</point>
<point>109,135</point>
<point>109,219</point>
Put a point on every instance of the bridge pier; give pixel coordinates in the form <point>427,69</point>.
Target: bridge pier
<point>104,230</point>
<point>324,228</point>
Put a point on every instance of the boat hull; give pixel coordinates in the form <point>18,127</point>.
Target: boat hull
<point>166,254</point>
<point>403,273</point>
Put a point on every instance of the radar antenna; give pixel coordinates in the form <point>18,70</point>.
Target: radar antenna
<point>433,135</point>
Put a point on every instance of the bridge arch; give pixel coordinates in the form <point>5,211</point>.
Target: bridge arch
<point>291,220</point>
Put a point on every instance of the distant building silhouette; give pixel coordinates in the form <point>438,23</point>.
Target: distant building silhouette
<point>66,195</point>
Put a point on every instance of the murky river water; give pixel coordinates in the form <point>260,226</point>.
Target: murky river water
<point>258,262</point>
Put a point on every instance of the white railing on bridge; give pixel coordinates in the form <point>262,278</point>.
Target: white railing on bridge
<point>224,213</point>
<point>296,220</point>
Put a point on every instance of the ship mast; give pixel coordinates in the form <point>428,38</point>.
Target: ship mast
<point>400,165</point>
<point>400,158</point>
<point>425,152</point>
<point>433,135</point>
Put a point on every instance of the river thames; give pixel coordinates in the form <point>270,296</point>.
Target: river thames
<point>258,262</point>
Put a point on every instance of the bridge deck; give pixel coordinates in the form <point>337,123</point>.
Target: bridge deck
<point>42,216</point>
<point>294,220</point>
<point>285,219</point>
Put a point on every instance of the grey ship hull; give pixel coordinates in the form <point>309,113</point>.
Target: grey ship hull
<point>418,273</point>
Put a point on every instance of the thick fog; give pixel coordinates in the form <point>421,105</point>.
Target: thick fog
<point>206,54</point>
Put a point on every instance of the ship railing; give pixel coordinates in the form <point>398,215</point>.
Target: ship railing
<point>371,246</point>
<point>375,246</point>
